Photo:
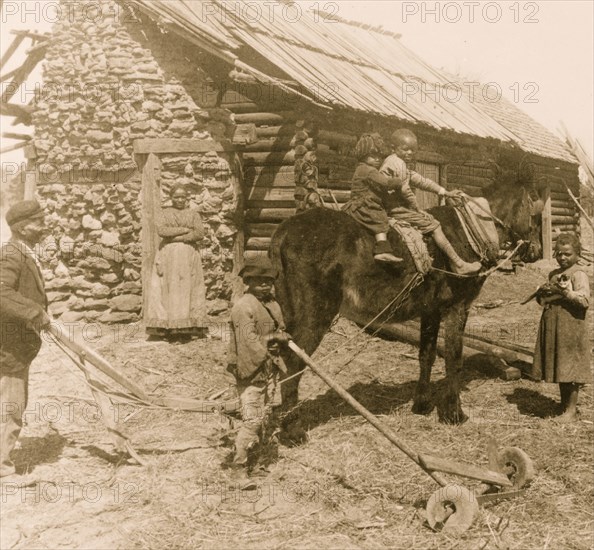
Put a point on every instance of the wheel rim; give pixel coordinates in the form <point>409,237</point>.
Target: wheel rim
<point>516,465</point>
<point>452,509</point>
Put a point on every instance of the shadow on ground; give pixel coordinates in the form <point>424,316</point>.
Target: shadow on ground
<point>533,403</point>
<point>36,451</point>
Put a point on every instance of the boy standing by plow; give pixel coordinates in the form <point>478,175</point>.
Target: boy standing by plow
<point>257,334</point>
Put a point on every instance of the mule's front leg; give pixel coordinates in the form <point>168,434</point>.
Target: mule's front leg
<point>422,403</point>
<point>449,408</point>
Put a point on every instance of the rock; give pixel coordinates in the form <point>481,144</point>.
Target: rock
<point>131,274</point>
<point>117,317</point>
<point>126,302</point>
<point>224,232</point>
<point>107,218</point>
<point>129,287</point>
<point>99,137</point>
<point>57,283</point>
<point>88,222</point>
<point>216,307</point>
<point>62,271</point>
<point>79,282</point>
<point>72,316</point>
<point>66,245</point>
<point>99,290</point>
<point>182,127</point>
<point>57,296</point>
<point>151,106</point>
<point>96,264</point>
<point>109,278</point>
<point>109,238</point>
<point>112,255</point>
<point>92,303</point>
<point>57,308</point>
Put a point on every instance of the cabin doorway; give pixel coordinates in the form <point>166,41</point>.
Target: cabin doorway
<point>149,156</point>
<point>426,199</point>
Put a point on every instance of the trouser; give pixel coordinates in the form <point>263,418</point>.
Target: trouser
<point>257,402</point>
<point>13,401</point>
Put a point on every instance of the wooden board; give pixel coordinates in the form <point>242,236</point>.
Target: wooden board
<point>547,241</point>
<point>278,143</point>
<point>171,145</point>
<point>563,220</point>
<point>288,194</point>
<point>261,229</point>
<point>464,469</point>
<point>84,352</point>
<point>195,405</point>
<point>269,214</point>
<point>269,159</point>
<point>258,243</point>
<point>274,131</point>
<point>151,206</point>
<point>269,176</point>
<point>269,119</point>
<point>557,211</point>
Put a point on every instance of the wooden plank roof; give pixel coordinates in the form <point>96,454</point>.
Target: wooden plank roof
<point>345,64</point>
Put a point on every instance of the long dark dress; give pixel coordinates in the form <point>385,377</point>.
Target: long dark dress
<point>562,352</point>
<point>177,297</point>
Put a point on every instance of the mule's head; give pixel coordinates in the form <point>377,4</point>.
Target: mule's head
<point>519,207</point>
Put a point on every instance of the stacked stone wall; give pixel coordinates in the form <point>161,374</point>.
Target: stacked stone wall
<point>102,89</point>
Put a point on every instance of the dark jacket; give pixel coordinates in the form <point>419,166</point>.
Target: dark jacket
<point>22,302</point>
<point>252,323</point>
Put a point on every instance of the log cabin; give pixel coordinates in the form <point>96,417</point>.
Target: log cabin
<point>249,107</point>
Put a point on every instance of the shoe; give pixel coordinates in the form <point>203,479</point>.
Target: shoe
<point>388,258</point>
<point>240,480</point>
<point>16,480</point>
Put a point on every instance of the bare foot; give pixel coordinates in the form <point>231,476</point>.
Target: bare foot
<point>566,417</point>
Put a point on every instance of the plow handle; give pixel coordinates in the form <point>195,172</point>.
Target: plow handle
<point>370,417</point>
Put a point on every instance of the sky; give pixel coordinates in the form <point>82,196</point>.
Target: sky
<point>540,54</point>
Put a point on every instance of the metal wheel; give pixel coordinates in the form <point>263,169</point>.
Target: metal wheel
<point>516,465</point>
<point>452,509</point>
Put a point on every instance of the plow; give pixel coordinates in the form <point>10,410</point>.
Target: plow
<point>451,508</point>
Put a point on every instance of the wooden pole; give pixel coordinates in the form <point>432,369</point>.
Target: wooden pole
<point>410,333</point>
<point>371,418</point>
<point>547,227</point>
<point>151,206</point>
<point>90,355</point>
<point>588,219</point>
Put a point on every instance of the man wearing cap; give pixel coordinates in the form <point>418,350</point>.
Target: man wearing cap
<point>257,335</point>
<point>22,316</point>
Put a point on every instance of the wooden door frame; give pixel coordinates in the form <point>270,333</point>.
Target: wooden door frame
<point>147,158</point>
<point>547,225</point>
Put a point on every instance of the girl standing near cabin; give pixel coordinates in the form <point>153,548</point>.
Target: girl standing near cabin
<point>562,353</point>
<point>177,298</point>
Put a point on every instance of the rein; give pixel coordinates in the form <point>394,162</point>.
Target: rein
<point>467,198</point>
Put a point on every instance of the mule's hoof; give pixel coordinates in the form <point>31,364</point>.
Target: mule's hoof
<point>422,407</point>
<point>292,435</point>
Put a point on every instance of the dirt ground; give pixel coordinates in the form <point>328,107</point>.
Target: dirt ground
<point>345,487</point>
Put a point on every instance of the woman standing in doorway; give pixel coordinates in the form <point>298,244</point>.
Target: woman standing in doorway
<point>177,297</point>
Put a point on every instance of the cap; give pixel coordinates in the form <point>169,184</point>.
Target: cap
<point>258,267</point>
<point>369,144</point>
<point>23,210</point>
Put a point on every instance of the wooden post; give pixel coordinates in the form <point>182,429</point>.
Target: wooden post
<point>547,228</point>
<point>151,204</point>
<point>239,245</point>
<point>31,173</point>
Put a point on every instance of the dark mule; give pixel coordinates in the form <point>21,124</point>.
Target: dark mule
<point>326,266</point>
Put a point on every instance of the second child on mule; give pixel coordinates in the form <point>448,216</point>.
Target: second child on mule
<point>403,205</point>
